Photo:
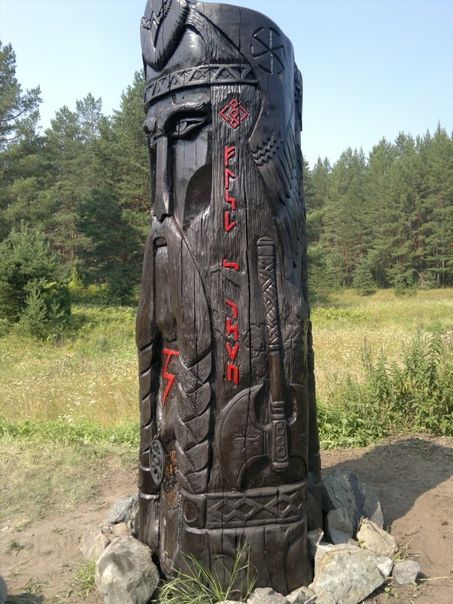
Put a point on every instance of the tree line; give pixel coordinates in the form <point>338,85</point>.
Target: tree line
<point>79,192</point>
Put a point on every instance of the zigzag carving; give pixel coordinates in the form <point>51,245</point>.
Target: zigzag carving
<point>266,152</point>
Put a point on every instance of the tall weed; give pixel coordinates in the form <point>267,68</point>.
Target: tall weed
<point>415,394</point>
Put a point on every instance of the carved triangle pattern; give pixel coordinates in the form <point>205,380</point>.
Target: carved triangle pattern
<point>201,75</point>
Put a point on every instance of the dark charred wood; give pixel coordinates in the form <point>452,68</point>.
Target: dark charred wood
<point>229,452</point>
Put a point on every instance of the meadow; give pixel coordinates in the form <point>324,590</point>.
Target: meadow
<point>69,410</point>
<point>85,383</point>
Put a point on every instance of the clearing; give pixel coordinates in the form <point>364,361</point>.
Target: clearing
<point>41,562</point>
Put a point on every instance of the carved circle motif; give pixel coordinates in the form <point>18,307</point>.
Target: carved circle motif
<point>157,461</point>
<point>268,49</point>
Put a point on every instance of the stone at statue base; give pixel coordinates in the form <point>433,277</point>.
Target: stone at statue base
<point>125,573</point>
<point>406,572</point>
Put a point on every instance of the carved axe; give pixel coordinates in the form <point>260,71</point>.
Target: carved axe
<point>278,435</point>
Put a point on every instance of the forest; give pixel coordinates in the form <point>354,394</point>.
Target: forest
<point>75,204</point>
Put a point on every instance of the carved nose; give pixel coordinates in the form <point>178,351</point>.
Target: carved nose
<point>163,196</point>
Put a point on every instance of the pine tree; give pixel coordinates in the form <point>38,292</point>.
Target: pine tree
<point>18,110</point>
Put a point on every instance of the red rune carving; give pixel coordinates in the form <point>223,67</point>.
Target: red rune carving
<point>233,373</point>
<point>234,113</point>
<point>227,222</point>
<point>229,176</point>
<point>234,308</point>
<point>232,265</point>
<point>232,329</point>
<point>230,199</point>
<point>232,350</point>
<point>170,377</point>
<point>230,152</point>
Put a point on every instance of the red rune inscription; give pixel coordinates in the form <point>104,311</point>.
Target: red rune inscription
<point>232,319</point>
<point>170,377</point>
<point>228,223</point>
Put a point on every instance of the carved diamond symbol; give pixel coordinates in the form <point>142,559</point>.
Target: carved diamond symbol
<point>234,113</point>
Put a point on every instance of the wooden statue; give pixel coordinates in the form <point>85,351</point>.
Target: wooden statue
<point>229,451</point>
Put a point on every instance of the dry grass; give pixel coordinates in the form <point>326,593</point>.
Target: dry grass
<point>92,375</point>
<point>37,477</point>
<point>348,323</point>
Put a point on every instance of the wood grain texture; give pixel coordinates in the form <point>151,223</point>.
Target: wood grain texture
<point>229,448</point>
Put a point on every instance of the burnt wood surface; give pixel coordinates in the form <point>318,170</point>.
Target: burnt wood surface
<point>229,453</point>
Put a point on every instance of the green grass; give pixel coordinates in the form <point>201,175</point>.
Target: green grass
<point>83,579</point>
<point>83,389</point>
<point>197,585</point>
<point>43,472</point>
<point>90,376</point>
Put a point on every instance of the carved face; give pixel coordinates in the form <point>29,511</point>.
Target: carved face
<point>179,133</point>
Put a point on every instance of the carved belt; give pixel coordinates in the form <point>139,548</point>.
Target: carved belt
<point>255,507</point>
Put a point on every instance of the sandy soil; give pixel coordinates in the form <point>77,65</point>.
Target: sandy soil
<point>413,477</point>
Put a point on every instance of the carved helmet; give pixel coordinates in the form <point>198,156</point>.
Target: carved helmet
<point>191,44</point>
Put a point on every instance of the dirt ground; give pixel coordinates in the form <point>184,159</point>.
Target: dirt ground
<point>412,475</point>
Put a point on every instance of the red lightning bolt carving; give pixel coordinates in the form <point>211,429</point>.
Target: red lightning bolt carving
<point>170,377</point>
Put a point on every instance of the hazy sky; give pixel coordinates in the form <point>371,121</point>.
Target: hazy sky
<point>371,68</point>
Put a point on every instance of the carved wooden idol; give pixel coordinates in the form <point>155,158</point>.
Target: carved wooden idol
<point>229,455</point>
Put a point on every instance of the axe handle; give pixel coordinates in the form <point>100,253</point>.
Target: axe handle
<point>268,282</point>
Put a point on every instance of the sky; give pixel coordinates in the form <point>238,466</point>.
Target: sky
<point>371,68</point>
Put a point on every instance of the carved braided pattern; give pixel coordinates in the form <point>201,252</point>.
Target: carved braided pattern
<point>247,511</point>
<point>266,271</point>
<point>193,424</point>
<point>148,360</point>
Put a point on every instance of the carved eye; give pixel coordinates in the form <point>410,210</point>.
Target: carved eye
<point>184,126</point>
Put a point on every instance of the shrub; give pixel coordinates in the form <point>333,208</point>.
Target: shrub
<point>416,395</point>
<point>33,291</point>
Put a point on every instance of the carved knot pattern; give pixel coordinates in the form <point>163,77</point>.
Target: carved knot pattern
<point>234,113</point>
<point>266,271</point>
<point>269,50</point>
<point>276,506</point>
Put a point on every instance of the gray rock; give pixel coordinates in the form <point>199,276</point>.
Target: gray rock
<point>324,597</point>
<point>324,548</point>
<point>93,543</point>
<point>344,490</point>
<point>266,595</point>
<point>124,510</point>
<point>371,537</point>
<point>349,574</point>
<point>343,520</point>
<point>3,591</point>
<point>340,538</point>
<point>111,531</point>
<point>125,573</point>
<point>303,595</point>
<point>314,538</point>
<point>96,539</point>
<point>406,572</point>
